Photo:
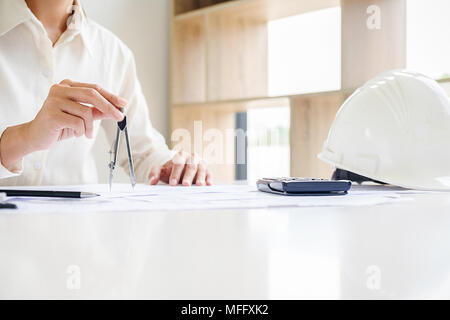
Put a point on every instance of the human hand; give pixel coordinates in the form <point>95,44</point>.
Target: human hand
<point>64,113</point>
<point>184,168</point>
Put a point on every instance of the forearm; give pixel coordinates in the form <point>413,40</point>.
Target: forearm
<point>14,145</point>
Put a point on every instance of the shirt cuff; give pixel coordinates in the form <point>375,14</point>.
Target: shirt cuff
<point>15,170</point>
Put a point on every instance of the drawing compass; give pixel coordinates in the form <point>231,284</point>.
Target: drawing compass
<point>121,128</point>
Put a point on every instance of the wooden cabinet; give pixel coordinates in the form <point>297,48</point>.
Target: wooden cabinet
<point>219,58</point>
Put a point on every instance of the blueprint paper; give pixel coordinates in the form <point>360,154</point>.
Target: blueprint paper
<point>162,197</point>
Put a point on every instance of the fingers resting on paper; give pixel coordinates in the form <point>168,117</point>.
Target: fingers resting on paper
<point>184,168</point>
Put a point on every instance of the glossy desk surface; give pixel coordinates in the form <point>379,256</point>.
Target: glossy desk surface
<point>399,250</point>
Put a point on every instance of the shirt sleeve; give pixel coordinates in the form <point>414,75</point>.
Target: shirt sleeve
<point>14,171</point>
<point>148,146</point>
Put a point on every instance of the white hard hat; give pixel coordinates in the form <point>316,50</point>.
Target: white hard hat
<point>394,129</point>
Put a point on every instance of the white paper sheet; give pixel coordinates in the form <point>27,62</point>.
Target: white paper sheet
<point>162,197</point>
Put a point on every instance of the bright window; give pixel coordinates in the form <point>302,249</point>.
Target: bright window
<point>305,53</point>
<point>268,143</point>
<point>428,45</point>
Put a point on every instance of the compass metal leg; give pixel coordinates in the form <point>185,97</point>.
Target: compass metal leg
<point>130,159</point>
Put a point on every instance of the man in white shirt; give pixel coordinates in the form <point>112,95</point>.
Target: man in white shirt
<point>63,78</point>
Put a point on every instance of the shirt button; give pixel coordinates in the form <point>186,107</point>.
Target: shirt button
<point>37,166</point>
<point>46,72</point>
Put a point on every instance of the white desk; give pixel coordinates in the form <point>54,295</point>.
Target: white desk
<point>399,250</point>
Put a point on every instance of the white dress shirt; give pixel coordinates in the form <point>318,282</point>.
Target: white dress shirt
<point>86,52</point>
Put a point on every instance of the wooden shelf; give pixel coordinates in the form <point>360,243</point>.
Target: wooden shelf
<point>266,9</point>
<point>219,57</point>
<point>220,53</point>
<point>183,7</point>
<point>274,100</point>
<point>180,14</point>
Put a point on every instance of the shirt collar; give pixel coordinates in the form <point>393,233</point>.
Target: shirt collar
<point>13,13</point>
<point>16,12</point>
<point>77,24</point>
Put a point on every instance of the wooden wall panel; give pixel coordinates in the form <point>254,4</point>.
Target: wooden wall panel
<point>237,55</point>
<point>221,119</point>
<point>188,69</point>
<point>311,119</point>
<point>367,52</point>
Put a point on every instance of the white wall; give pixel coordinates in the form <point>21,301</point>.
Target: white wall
<point>144,26</point>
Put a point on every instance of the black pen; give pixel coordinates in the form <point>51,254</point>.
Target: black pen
<point>48,194</point>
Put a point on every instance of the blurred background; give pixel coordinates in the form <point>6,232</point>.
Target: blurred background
<point>277,70</point>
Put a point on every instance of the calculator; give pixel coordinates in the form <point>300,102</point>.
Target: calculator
<point>304,186</point>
